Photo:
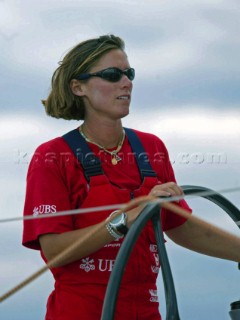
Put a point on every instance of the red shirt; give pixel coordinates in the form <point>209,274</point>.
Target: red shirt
<point>56,182</point>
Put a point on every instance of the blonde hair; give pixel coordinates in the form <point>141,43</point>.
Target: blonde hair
<point>62,102</point>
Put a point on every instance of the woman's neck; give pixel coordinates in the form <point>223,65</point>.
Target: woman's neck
<point>107,135</point>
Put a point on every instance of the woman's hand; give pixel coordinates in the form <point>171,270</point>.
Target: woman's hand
<point>169,189</point>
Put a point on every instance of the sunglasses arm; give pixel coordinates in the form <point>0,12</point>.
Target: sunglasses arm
<point>84,76</point>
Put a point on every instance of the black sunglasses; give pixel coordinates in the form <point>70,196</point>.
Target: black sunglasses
<point>110,74</point>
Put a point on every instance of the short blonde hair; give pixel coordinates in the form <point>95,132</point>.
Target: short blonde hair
<point>62,102</point>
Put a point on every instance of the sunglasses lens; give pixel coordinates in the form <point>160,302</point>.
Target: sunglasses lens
<point>112,75</point>
<point>130,74</point>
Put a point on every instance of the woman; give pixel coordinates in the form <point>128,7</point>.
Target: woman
<point>94,83</point>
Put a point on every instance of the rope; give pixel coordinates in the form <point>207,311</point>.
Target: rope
<point>68,250</point>
<point>114,206</point>
<point>63,213</point>
<point>165,203</point>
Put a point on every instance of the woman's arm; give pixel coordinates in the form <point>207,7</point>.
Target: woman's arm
<point>205,238</point>
<point>92,239</point>
<point>53,244</point>
<point>198,235</point>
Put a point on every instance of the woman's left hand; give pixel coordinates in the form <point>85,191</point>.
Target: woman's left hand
<point>169,189</point>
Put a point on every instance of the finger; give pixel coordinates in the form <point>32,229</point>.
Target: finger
<point>175,191</point>
<point>160,193</point>
<point>173,188</point>
<point>167,189</point>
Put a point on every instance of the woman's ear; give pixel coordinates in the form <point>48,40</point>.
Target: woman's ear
<point>77,88</point>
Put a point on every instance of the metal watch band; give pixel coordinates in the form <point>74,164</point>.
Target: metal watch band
<point>113,233</point>
<point>118,224</point>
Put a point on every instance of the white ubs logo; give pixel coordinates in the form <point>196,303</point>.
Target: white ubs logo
<point>44,208</point>
<point>103,265</point>
<point>153,295</point>
<point>87,264</point>
<point>153,248</point>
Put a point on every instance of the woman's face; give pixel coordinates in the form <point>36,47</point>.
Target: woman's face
<point>105,99</point>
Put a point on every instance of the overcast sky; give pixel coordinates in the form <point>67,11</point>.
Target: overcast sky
<point>186,91</point>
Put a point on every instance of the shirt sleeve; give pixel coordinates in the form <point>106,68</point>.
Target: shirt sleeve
<point>46,193</point>
<point>169,219</point>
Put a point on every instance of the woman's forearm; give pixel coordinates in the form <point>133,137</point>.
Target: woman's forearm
<point>205,238</point>
<point>89,240</point>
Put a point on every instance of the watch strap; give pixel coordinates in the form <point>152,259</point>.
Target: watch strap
<point>113,233</point>
<point>120,226</point>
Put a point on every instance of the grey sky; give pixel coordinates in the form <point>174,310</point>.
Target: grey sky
<point>186,56</point>
<point>184,52</point>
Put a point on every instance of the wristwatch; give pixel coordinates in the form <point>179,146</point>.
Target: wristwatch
<point>119,224</point>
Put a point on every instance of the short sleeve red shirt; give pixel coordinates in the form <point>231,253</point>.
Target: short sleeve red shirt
<point>56,182</point>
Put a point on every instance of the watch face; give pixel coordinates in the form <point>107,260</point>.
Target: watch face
<point>117,220</point>
<point>119,224</point>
